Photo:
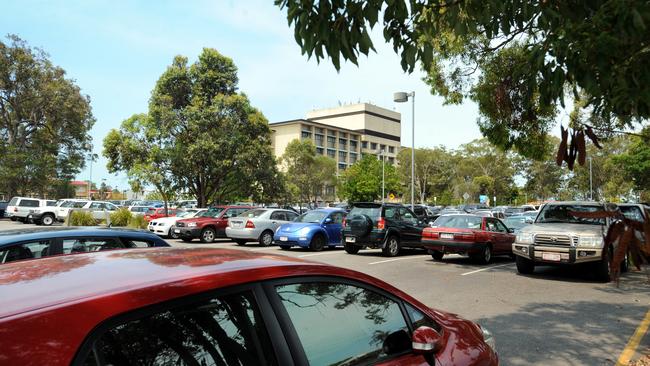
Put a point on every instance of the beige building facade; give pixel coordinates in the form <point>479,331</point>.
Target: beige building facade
<point>344,134</point>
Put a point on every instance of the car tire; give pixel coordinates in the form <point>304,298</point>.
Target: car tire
<point>12,218</point>
<point>240,242</point>
<point>437,255</point>
<point>208,235</point>
<point>47,220</point>
<point>266,239</point>
<point>603,270</point>
<point>285,247</point>
<point>172,234</point>
<point>625,265</point>
<point>484,256</point>
<point>317,243</point>
<point>391,247</point>
<point>524,266</point>
<point>351,248</point>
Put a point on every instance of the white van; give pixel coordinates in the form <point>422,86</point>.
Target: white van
<point>20,207</point>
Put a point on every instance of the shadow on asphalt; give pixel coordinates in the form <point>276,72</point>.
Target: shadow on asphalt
<point>548,333</point>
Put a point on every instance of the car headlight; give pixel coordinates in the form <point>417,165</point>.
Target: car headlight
<point>525,238</point>
<point>191,224</point>
<point>304,231</point>
<point>489,339</point>
<point>590,241</point>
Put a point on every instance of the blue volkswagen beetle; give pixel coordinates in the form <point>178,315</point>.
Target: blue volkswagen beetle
<point>314,229</point>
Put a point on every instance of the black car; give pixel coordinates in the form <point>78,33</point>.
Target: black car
<point>426,214</point>
<point>384,226</point>
<point>35,243</point>
<point>3,208</point>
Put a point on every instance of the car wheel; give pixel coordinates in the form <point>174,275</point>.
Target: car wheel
<point>266,238</point>
<point>173,235</point>
<point>12,218</point>
<point>285,247</point>
<point>392,246</point>
<point>603,270</point>
<point>317,243</point>
<point>484,256</point>
<point>625,265</point>
<point>207,235</point>
<point>437,255</point>
<point>524,266</point>
<point>351,248</point>
<point>47,220</point>
<point>187,240</point>
<point>240,242</point>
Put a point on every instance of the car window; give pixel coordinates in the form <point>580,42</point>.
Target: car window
<point>501,227</point>
<point>30,250</point>
<point>420,211</point>
<point>13,202</point>
<point>337,217</point>
<point>632,213</point>
<point>407,215</point>
<point>490,225</point>
<point>419,319</point>
<point>278,215</point>
<point>391,213</point>
<point>291,216</point>
<point>97,205</point>
<point>82,245</point>
<point>28,203</point>
<point>50,203</point>
<point>224,330</point>
<point>110,207</point>
<point>364,321</point>
<point>138,243</point>
<point>77,204</point>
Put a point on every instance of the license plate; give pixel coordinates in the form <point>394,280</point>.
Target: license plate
<point>177,231</point>
<point>284,238</point>
<point>555,257</point>
<point>446,236</point>
<point>350,239</point>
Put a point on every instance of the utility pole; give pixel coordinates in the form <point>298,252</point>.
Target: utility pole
<point>591,182</point>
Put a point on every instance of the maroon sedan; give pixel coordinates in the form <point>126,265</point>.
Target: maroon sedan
<point>208,306</point>
<point>479,237</point>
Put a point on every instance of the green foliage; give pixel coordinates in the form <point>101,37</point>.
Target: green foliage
<point>433,172</point>
<point>636,163</point>
<point>361,182</point>
<point>199,136</point>
<point>44,122</point>
<point>121,217</point>
<point>526,55</point>
<point>308,172</point>
<point>82,218</point>
<point>138,222</point>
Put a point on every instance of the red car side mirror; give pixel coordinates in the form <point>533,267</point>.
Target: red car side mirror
<point>426,340</point>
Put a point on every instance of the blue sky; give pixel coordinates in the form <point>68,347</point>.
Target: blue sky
<point>117,50</point>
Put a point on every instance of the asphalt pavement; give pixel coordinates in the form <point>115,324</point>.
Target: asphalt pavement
<point>558,316</point>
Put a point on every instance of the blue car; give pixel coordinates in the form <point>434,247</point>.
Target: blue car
<point>314,229</point>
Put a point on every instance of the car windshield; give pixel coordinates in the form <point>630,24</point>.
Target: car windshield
<point>632,213</point>
<point>514,210</point>
<point>459,222</point>
<point>213,212</point>
<point>515,222</point>
<point>561,214</point>
<point>312,216</point>
<point>252,213</point>
<point>373,212</point>
<point>186,213</point>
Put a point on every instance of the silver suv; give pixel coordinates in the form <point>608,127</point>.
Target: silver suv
<point>557,237</point>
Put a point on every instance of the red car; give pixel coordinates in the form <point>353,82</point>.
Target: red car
<point>156,213</point>
<point>479,237</point>
<point>210,225</point>
<point>207,306</point>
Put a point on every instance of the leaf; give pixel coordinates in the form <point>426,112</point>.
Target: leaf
<point>592,136</point>
<point>637,20</point>
<point>561,151</point>
<point>582,151</point>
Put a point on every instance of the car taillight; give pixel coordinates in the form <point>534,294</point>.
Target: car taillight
<point>250,225</point>
<point>381,223</point>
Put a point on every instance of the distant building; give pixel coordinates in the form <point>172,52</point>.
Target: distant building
<point>345,133</point>
<point>80,188</point>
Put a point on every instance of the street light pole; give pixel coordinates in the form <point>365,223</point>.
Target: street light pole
<point>383,177</point>
<point>591,182</point>
<point>401,97</point>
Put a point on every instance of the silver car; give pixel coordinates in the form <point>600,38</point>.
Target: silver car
<point>258,224</point>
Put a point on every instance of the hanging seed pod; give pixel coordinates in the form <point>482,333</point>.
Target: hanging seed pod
<point>582,150</point>
<point>561,151</point>
<point>571,156</point>
<point>593,137</point>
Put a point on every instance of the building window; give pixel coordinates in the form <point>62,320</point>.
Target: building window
<point>320,151</point>
<point>382,147</point>
<point>306,135</point>
<point>391,149</point>
<point>391,160</point>
<point>373,146</point>
<point>342,166</point>
<point>320,130</point>
<point>353,158</point>
<point>353,145</point>
<point>364,144</point>
<point>331,132</point>
<point>329,190</point>
<point>331,153</point>
<point>319,139</point>
<point>343,156</point>
<point>343,134</point>
<point>354,137</point>
<point>343,144</point>
<point>331,142</point>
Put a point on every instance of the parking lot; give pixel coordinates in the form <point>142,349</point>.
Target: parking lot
<point>559,316</point>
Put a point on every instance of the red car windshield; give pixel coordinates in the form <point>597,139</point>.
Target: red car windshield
<point>459,222</point>
<point>213,212</point>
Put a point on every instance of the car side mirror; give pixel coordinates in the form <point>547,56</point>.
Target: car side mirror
<point>225,217</point>
<point>426,341</point>
<point>511,230</point>
<point>327,221</point>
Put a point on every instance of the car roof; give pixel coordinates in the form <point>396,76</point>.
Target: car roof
<point>589,203</point>
<point>54,281</point>
<point>27,234</point>
<point>328,209</point>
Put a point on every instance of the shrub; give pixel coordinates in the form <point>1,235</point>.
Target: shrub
<point>82,218</point>
<point>138,222</point>
<point>121,217</point>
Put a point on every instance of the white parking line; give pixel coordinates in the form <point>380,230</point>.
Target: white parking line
<point>396,259</point>
<point>323,253</point>
<point>254,249</point>
<point>485,269</point>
